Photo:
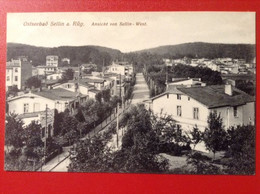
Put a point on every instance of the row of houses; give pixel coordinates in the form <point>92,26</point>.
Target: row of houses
<point>33,104</point>
<point>223,65</point>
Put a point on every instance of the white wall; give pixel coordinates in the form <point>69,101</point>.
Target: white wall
<point>83,90</point>
<point>17,105</point>
<point>245,113</point>
<point>36,103</point>
<point>169,106</point>
<point>249,113</point>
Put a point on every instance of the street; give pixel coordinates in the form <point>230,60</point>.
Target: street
<point>140,93</point>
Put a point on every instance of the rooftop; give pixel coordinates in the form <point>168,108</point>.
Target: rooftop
<point>215,96</point>
<point>211,96</point>
<point>57,94</point>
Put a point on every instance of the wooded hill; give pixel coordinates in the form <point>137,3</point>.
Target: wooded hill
<point>205,50</point>
<point>98,54</point>
<point>76,54</point>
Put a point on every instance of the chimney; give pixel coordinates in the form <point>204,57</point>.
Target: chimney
<point>228,90</point>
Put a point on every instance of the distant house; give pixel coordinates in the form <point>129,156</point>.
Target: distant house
<point>54,76</point>
<point>79,86</point>
<point>214,66</point>
<point>17,72</point>
<point>52,60</point>
<point>122,68</point>
<point>89,67</point>
<point>186,82</point>
<point>65,60</point>
<point>191,106</point>
<point>46,70</point>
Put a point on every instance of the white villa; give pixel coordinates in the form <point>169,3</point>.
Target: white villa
<point>191,106</point>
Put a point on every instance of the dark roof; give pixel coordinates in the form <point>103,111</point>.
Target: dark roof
<point>81,82</point>
<point>215,96</point>
<point>57,94</point>
<point>93,80</point>
<point>179,79</point>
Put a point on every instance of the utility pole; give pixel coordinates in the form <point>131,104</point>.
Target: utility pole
<point>166,81</point>
<point>117,125</point>
<point>120,85</point>
<point>46,133</point>
<point>103,67</point>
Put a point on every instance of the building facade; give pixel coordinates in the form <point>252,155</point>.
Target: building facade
<point>52,60</point>
<point>17,72</point>
<point>191,106</point>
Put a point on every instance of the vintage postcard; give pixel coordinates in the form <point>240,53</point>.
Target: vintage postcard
<point>131,92</point>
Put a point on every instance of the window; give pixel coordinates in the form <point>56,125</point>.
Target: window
<point>36,107</point>
<point>25,107</point>
<point>16,78</point>
<point>178,96</point>
<point>235,111</point>
<point>179,111</point>
<point>16,70</point>
<point>167,95</point>
<point>196,113</point>
<point>7,78</point>
<point>188,98</point>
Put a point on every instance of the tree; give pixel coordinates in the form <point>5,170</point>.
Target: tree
<point>32,135</point>
<point>58,119</point>
<point>33,82</point>
<point>106,95</point>
<point>89,111</point>
<point>12,90</point>
<point>67,75</point>
<point>69,128</point>
<point>98,97</point>
<point>247,87</point>
<point>196,136</point>
<point>14,131</point>
<point>136,154</point>
<point>215,135</point>
<point>202,165</point>
<point>241,141</point>
<point>91,156</point>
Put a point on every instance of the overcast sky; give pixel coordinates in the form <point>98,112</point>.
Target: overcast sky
<point>162,28</point>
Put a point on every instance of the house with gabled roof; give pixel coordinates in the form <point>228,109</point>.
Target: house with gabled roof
<point>33,106</point>
<point>191,106</point>
<point>36,101</point>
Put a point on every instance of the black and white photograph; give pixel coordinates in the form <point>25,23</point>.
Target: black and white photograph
<point>131,92</point>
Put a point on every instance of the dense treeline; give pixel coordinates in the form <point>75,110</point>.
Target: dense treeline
<point>155,76</point>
